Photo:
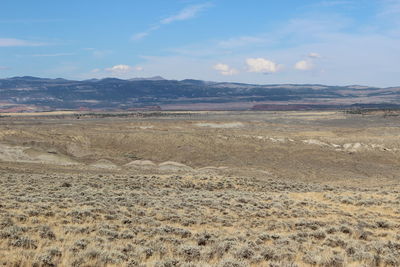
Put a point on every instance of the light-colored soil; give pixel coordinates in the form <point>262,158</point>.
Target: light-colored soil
<point>104,164</point>
<point>27,154</point>
<point>141,164</point>
<point>220,125</point>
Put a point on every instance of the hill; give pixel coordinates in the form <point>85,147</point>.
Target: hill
<point>42,94</point>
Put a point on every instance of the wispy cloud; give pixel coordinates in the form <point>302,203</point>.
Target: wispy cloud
<point>3,68</point>
<point>53,55</point>
<point>187,13</point>
<point>30,20</point>
<point>12,42</point>
<point>141,35</point>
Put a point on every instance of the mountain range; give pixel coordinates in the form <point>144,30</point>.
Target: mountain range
<point>24,94</point>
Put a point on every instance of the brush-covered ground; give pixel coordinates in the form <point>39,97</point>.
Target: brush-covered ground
<point>201,189</point>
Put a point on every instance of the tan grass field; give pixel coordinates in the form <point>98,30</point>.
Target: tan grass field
<point>200,189</point>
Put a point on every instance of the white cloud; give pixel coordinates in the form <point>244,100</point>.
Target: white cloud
<point>314,55</point>
<point>186,13</point>
<point>119,69</point>
<point>225,69</point>
<point>262,65</point>
<point>11,42</point>
<point>304,65</point>
<point>3,68</point>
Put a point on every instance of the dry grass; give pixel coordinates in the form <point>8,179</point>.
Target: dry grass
<point>54,215</point>
<point>81,220</point>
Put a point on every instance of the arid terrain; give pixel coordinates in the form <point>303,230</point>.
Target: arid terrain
<point>225,189</point>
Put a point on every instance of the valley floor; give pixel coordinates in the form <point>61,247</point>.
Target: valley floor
<point>201,189</point>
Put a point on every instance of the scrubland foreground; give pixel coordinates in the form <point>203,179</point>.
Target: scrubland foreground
<point>201,189</point>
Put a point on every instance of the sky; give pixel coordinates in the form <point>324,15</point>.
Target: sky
<point>337,42</point>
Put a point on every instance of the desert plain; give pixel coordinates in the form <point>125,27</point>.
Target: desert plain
<point>225,189</point>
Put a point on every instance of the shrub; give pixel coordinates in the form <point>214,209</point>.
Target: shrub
<point>244,253</point>
<point>23,242</point>
<point>232,263</point>
<point>190,253</point>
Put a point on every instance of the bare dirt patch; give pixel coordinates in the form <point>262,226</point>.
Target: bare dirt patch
<point>221,125</point>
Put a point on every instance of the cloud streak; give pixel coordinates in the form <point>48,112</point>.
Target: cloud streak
<point>12,42</point>
<point>29,21</point>
<point>185,14</point>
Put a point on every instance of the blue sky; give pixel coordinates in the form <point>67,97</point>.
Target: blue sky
<point>337,42</point>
